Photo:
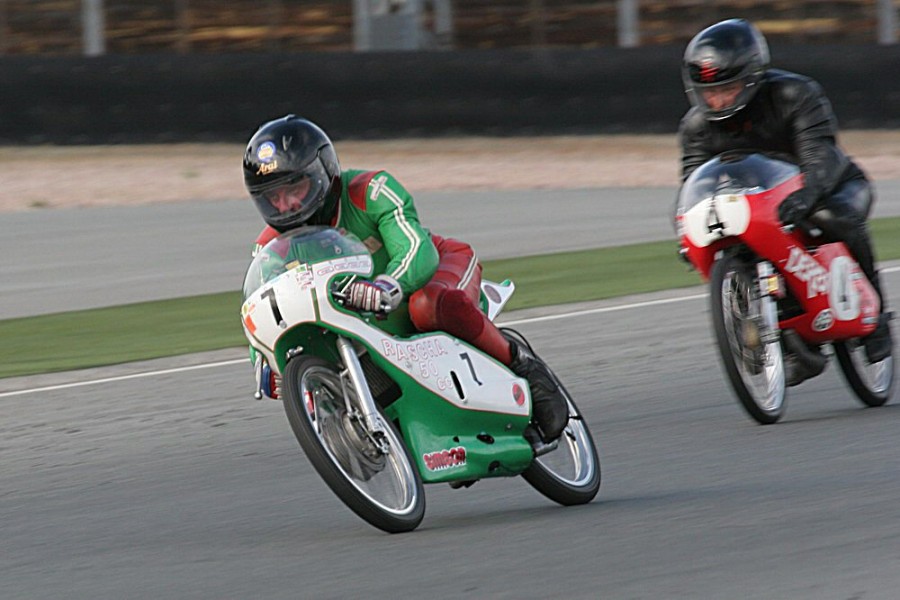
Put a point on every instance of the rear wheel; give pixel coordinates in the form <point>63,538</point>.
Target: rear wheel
<point>371,472</point>
<point>570,474</point>
<point>755,368</point>
<point>871,382</point>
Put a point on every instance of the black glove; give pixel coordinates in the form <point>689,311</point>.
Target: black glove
<point>796,206</point>
<point>380,296</point>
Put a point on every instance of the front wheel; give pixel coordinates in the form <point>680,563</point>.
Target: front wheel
<point>871,382</point>
<point>372,473</point>
<point>570,474</point>
<point>754,364</point>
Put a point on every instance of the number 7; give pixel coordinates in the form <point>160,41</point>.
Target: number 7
<point>270,294</point>
<point>465,357</point>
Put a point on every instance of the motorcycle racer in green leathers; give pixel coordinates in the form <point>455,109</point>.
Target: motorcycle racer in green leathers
<point>292,173</point>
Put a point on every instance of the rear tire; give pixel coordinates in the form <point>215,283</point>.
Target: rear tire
<point>756,373</point>
<point>570,474</point>
<point>872,383</point>
<point>383,488</point>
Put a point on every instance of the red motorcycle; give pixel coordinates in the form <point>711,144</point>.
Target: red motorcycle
<point>778,296</point>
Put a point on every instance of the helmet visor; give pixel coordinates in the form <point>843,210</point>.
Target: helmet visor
<point>293,201</point>
<point>707,72</point>
<point>722,96</point>
<point>721,100</point>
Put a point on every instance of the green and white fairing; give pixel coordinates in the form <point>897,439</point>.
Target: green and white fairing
<point>461,413</point>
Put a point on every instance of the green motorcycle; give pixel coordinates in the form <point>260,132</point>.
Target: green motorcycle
<point>381,409</point>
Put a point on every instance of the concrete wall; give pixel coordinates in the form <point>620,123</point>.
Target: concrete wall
<point>167,98</point>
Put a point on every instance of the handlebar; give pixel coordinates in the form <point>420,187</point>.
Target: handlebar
<point>339,293</point>
<point>806,226</point>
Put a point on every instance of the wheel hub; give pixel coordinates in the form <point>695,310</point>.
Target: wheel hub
<point>751,337</point>
<point>351,447</point>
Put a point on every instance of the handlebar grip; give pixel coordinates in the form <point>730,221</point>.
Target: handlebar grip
<point>806,226</point>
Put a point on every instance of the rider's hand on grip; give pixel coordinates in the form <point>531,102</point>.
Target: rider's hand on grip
<point>379,296</point>
<point>796,207</point>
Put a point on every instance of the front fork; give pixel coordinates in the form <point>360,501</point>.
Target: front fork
<point>769,288</point>
<point>367,408</point>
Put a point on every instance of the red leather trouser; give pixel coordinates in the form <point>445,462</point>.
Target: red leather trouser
<point>449,301</point>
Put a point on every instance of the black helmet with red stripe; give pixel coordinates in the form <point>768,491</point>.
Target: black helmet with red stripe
<point>731,55</point>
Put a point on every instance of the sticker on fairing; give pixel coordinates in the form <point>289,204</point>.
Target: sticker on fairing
<point>445,459</point>
<point>823,321</point>
<point>247,311</point>
<point>518,394</point>
<point>805,268</point>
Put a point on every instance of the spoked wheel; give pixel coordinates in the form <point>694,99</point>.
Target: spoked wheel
<point>871,382</point>
<point>373,474</point>
<point>754,367</point>
<point>570,474</point>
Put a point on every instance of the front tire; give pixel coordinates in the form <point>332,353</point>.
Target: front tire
<point>754,368</point>
<point>570,474</point>
<point>872,383</point>
<point>375,477</point>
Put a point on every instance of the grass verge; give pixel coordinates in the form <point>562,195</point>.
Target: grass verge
<point>105,336</point>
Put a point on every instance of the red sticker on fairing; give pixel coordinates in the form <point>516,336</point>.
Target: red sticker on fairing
<point>445,459</point>
<point>247,311</point>
<point>518,394</point>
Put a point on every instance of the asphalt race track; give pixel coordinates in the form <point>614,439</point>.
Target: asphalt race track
<point>179,485</point>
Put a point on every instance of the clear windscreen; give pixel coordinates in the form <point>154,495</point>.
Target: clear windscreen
<point>750,173</point>
<point>306,245</point>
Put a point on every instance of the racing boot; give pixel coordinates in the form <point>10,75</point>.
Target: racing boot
<point>795,371</point>
<point>801,362</point>
<point>879,344</point>
<point>551,411</point>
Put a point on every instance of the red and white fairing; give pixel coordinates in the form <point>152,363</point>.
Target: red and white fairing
<point>718,209</point>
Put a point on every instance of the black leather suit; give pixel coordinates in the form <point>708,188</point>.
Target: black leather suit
<point>791,116</point>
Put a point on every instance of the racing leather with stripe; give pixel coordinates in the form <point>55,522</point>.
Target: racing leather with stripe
<point>380,212</point>
<point>441,277</point>
<point>449,301</point>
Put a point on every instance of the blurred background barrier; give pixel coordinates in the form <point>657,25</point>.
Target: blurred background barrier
<point>139,71</point>
<point>171,98</point>
<point>96,27</point>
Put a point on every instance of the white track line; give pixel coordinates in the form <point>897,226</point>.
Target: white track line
<point>224,363</point>
<point>605,309</point>
<point>64,386</point>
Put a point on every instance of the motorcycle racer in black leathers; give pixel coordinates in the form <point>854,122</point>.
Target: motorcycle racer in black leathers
<point>739,103</point>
